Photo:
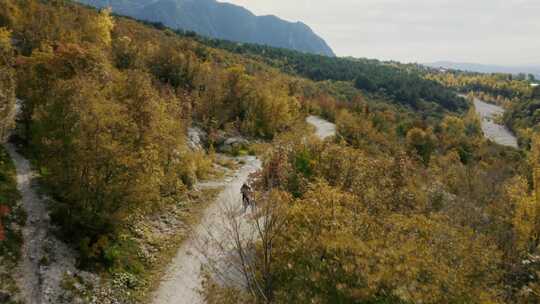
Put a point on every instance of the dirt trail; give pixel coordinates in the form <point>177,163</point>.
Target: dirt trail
<point>182,281</point>
<point>33,232</point>
<point>45,260</point>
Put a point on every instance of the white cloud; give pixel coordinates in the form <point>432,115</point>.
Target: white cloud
<point>483,31</point>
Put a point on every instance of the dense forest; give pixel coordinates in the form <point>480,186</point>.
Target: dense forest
<point>387,78</point>
<point>396,208</point>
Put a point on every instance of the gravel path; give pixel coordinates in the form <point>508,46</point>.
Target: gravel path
<point>324,128</point>
<point>33,232</point>
<point>182,281</point>
<point>45,259</point>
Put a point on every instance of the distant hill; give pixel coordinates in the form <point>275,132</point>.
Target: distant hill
<point>484,68</point>
<point>221,20</point>
<point>402,83</point>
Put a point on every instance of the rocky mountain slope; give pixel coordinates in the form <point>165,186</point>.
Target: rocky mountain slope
<point>221,20</point>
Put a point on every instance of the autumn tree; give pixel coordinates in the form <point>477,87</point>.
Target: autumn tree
<point>176,68</point>
<point>126,53</point>
<point>332,252</point>
<point>108,151</point>
<point>271,109</point>
<point>10,14</point>
<point>258,105</point>
<point>526,219</point>
<point>422,142</point>
<point>7,84</point>
<point>361,132</point>
<point>99,27</point>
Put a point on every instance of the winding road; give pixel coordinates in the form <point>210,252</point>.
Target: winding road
<point>182,281</point>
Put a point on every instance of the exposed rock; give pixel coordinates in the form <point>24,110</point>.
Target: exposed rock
<point>18,106</point>
<point>195,138</point>
<point>232,144</point>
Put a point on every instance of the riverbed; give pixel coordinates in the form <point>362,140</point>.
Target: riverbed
<point>492,130</point>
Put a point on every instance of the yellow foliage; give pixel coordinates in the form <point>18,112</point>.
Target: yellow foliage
<point>422,142</point>
<point>526,217</point>
<point>361,132</point>
<point>100,28</point>
<point>526,221</point>
<point>5,44</point>
<point>10,14</point>
<point>333,251</point>
<point>454,130</point>
<point>7,85</point>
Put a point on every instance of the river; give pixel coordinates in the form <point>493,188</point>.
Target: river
<point>492,130</point>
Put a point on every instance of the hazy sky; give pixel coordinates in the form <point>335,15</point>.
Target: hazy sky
<point>481,31</point>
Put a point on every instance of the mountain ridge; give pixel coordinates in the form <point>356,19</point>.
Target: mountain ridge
<point>223,21</point>
<point>486,68</point>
